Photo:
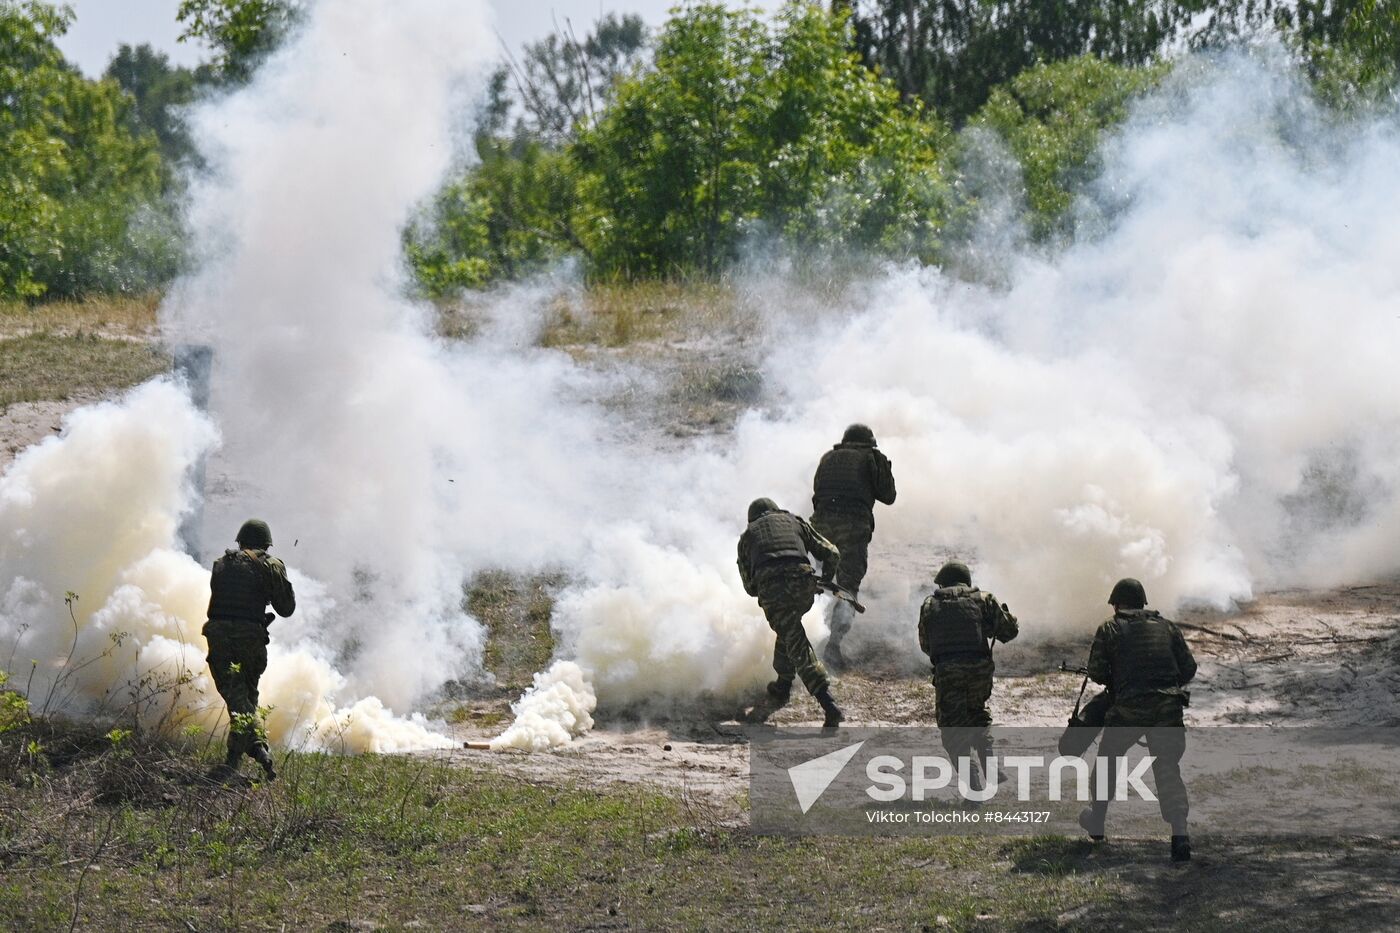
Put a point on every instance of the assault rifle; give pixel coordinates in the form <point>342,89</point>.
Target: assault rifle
<point>845,596</point>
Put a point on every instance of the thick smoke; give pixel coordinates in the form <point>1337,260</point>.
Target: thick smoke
<point>1198,394</point>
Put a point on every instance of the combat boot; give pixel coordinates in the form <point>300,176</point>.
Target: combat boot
<point>984,754</point>
<point>263,757</point>
<point>780,690</point>
<point>1092,824</point>
<point>1181,848</point>
<point>834,716</point>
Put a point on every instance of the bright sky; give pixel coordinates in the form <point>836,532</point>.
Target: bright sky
<point>102,25</point>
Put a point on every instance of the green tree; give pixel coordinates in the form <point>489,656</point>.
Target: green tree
<point>563,84</point>
<point>951,53</point>
<point>736,130</point>
<point>241,32</point>
<point>509,215</point>
<point>76,184</point>
<point>1053,117</point>
<point>160,92</point>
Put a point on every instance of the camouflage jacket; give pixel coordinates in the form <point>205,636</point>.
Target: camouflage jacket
<point>816,544</point>
<point>997,621</point>
<point>244,582</point>
<point>853,474</point>
<point>1163,667</point>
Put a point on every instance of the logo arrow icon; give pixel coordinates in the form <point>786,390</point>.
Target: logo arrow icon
<point>811,778</point>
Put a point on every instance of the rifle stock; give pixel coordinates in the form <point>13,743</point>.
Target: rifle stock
<point>843,595</point>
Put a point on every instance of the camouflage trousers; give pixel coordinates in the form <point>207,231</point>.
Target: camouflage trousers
<point>1157,718</point>
<point>851,532</point>
<point>785,594</point>
<point>237,659</point>
<point>961,690</point>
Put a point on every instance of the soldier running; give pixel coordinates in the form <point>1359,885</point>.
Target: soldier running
<point>243,582</point>
<point>773,566</point>
<point>1145,662</point>
<point>850,479</point>
<point>957,626</point>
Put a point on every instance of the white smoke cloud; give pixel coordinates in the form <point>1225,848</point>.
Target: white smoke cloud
<point>1199,395</point>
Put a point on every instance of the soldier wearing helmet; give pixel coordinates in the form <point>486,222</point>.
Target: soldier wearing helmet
<point>773,566</point>
<point>1144,661</point>
<point>850,479</point>
<point>244,581</point>
<point>957,626</point>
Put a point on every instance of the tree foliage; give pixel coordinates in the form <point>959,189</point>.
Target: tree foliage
<point>159,95</point>
<point>740,129</point>
<point>241,32</point>
<point>76,183</point>
<point>952,53</point>
<point>1052,117</point>
<point>562,84</point>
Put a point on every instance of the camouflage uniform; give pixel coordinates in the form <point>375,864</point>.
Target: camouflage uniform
<point>850,479</point>
<point>1145,662</point>
<point>785,585</point>
<point>956,627</point>
<point>241,586</point>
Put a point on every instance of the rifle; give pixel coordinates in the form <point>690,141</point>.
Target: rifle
<point>1066,669</point>
<point>847,596</point>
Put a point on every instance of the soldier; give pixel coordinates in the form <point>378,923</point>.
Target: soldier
<point>850,479</point>
<point>957,626</point>
<point>773,566</point>
<point>1145,662</point>
<point>244,581</point>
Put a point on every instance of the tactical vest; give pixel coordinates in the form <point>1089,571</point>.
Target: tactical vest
<point>239,588</point>
<point>1143,661</point>
<point>954,624</point>
<point>775,536</point>
<point>843,477</point>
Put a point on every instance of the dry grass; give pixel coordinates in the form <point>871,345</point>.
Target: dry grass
<point>42,366</point>
<point>622,315</point>
<point>127,317</point>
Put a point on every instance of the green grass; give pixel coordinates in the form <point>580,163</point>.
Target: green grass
<point>516,612</point>
<point>384,842</point>
<point>42,366</point>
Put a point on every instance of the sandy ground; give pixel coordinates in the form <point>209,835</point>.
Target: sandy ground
<point>1297,658</point>
<point>26,423</point>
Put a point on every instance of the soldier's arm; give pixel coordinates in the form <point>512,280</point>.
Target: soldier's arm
<point>1101,655</point>
<point>821,548</point>
<point>923,627</point>
<point>999,621</point>
<point>745,576</point>
<point>884,478</point>
<point>284,601</point>
<point>1185,661</point>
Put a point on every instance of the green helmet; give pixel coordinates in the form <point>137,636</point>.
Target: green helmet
<point>255,534</point>
<point>953,573</point>
<point>761,506</point>
<point>859,434</point>
<point>1128,594</point>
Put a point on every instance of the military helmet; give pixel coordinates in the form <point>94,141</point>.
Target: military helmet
<point>761,506</point>
<point>1128,594</point>
<point>255,534</point>
<point>953,573</point>
<point>858,434</point>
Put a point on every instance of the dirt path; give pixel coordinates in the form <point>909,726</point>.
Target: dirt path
<point>1297,658</point>
<point>26,423</point>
